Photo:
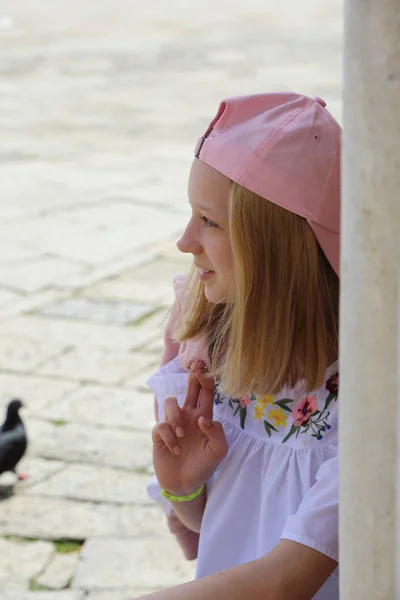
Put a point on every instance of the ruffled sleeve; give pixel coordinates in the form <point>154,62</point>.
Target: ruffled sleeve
<point>316,522</point>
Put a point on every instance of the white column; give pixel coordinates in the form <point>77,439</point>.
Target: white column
<point>369,427</point>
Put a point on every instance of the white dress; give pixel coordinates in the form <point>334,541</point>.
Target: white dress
<point>279,479</point>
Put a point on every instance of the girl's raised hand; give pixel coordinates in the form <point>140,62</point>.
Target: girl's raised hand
<point>188,446</point>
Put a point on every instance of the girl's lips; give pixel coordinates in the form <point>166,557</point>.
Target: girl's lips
<point>205,275</point>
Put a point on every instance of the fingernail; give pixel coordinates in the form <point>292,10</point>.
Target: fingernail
<point>207,423</point>
<point>177,450</point>
<point>179,432</point>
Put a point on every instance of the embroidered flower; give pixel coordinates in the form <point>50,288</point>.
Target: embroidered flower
<point>258,412</point>
<point>245,401</point>
<point>278,416</point>
<point>332,384</point>
<point>264,400</point>
<point>304,409</point>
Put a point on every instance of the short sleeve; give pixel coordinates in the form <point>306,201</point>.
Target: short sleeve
<point>316,522</point>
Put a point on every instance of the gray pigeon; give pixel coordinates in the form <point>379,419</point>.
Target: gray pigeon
<point>13,439</point>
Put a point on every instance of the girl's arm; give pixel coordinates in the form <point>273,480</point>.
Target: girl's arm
<point>290,571</point>
<point>187,538</point>
<point>191,513</point>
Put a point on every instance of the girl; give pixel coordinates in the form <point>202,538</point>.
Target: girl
<point>245,452</point>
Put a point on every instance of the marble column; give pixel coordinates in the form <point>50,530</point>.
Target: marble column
<point>369,364</point>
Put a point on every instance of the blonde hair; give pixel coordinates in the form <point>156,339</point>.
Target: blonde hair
<point>281,324</point>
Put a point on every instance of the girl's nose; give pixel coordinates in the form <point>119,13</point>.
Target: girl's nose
<point>189,243</point>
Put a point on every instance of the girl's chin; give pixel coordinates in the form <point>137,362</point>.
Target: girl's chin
<point>214,295</point>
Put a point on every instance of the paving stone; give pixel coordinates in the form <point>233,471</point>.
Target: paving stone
<point>111,268</point>
<point>118,563</point>
<point>21,560</point>
<point>38,469</point>
<point>139,381</point>
<point>7,297</point>
<point>11,585</point>
<point>90,335</point>
<point>34,275</point>
<point>35,391</point>
<point>54,518</point>
<point>31,302</point>
<point>59,572</point>
<point>99,365</point>
<point>150,282</point>
<point>47,595</point>
<point>22,354</point>
<point>92,309</point>
<point>128,594</point>
<point>97,484</point>
<point>111,407</point>
<point>12,252</point>
<point>96,445</point>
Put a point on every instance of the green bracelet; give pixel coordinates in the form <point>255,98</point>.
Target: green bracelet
<point>182,498</point>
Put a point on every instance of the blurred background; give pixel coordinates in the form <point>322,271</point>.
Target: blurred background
<point>101,104</point>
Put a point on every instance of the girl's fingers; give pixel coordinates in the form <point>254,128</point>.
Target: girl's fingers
<point>207,394</point>
<point>163,434</point>
<point>173,415</point>
<point>192,392</point>
<point>216,443</point>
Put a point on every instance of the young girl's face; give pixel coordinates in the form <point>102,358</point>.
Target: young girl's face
<point>207,234</point>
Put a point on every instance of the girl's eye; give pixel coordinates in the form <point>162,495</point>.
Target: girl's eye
<point>208,223</point>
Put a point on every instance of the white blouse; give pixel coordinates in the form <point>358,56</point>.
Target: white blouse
<point>278,480</point>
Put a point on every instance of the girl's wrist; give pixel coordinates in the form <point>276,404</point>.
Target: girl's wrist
<point>182,497</point>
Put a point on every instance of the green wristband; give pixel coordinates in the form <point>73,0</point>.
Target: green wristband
<point>182,498</point>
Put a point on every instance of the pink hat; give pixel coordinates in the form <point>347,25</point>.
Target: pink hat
<point>285,148</point>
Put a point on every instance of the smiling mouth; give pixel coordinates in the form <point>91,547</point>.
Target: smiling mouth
<point>205,274</point>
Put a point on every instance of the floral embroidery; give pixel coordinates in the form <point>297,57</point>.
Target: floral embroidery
<point>306,416</point>
<point>304,409</point>
<point>245,401</point>
<point>278,416</point>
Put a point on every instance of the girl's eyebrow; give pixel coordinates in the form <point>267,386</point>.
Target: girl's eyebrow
<point>202,207</point>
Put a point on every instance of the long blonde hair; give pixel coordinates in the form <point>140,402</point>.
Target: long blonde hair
<point>281,324</point>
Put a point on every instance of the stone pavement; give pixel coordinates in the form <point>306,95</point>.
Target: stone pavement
<point>100,105</point>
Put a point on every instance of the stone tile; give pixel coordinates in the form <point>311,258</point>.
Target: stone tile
<point>34,275</point>
<point>111,268</point>
<point>21,560</point>
<point>127,594</point>
<point>59,572</point>
<point>63,332</point>
<point>96,484</point>
<point>119,563</point>
<point>93,245</point>
<point>7,297</point>
<point>12,252</point>
<point>112,407</point>
<point>31,302</point>
<point>38,469</point>
<point>56,518</point>
<point>99,365</point>
<point>35,391</point>
<point>93,309</point>
<point>152,281</point>
<point>22,354</point>
<point>47,595</point>
<point>12,586</point>
<point>92,445</point>
<point>139,381</point>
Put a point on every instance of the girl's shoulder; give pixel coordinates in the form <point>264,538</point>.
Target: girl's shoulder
<point>293,417</point>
